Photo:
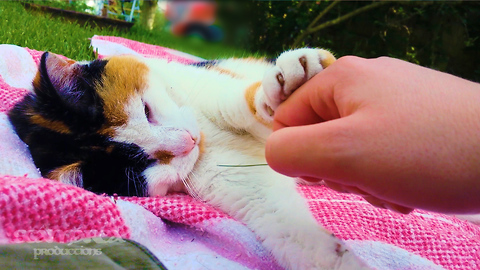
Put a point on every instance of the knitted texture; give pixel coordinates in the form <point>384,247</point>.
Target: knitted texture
<point>178,208</point>
<point>9,95</point>
<point>36,55</point>
<point>445,240</point>
<point>44,210</point>
<point>106,45</point>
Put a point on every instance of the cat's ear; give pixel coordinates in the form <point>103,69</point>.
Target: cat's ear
<point>65,87</point>
<point>54,73</point>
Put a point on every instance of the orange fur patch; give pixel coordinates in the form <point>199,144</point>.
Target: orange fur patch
<point>109,149</point>
<point>67,174</point>
<point>201,145</point>
<point>123,77</point>
<point>107,131</point>
<point>225,71</point>
<point>327,58</point>
<point>253,59</point>
<point>54,125</point>
<point>250,98</point>
<point>164,157</point>
<point>36,80</point>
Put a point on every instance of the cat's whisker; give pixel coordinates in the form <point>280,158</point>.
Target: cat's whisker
<point>241,165</point>
<point>135,184</point>
<point>128,181</point>
<point>191,188</point>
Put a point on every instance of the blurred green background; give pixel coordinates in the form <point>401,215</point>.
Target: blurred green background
<point>443,35</point>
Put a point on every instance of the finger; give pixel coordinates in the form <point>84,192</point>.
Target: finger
<point>312,103</point>
<point>324,151</point>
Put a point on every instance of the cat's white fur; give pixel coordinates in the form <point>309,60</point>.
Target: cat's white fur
<point>186,101</point>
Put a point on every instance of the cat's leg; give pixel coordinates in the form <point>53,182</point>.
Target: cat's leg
<point>269,204</point>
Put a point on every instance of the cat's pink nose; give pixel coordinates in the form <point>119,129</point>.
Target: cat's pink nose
<point>189,143</point>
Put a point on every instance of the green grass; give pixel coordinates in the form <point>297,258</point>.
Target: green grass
<point>44,32</point>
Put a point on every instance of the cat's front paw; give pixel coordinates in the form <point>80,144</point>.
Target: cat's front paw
<point>292,69</point>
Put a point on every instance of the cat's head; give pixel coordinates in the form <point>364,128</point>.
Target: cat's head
<point>113,126</point>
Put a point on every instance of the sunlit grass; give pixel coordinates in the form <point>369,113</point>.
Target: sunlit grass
<point>44,32</point>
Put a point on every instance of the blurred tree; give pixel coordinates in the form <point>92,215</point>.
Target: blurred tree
<point>440,34</point>
<point>312,27</point>
<point>148,11</point>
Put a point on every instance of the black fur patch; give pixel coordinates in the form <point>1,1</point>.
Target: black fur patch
<point>76,103</point>
<point>107,166</point>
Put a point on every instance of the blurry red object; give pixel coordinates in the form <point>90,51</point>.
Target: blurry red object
<point>183,14</point>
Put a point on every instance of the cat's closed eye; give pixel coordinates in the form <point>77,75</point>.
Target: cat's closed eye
<point>148,112</point>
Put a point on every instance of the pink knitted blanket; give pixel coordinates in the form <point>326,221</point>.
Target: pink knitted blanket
<point>184,233</point>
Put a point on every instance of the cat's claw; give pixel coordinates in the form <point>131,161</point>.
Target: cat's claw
<point>292,69</point>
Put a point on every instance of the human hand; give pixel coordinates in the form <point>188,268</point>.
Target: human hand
<point>400,135</point>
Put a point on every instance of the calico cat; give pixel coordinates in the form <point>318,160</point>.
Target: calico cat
<point>135,126</point>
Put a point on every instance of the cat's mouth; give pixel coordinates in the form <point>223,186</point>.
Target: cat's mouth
<point>183,149</point>
<point>174,163</point>
<point>180,146</point>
